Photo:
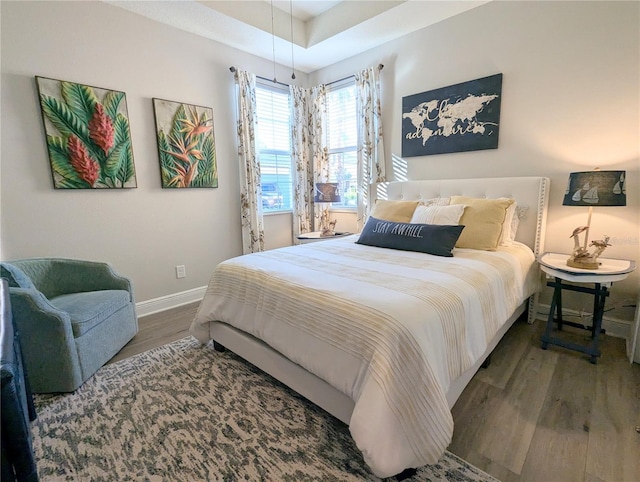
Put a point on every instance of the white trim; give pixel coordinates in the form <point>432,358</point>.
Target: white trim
<point>149,307</point>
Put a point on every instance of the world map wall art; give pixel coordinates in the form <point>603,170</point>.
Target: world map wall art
<point>460,117</point>
<point>88,136</point>
<point>186,145</point>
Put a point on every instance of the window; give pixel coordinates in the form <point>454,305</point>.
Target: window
<point>342,141</point>
<point>274,147</point>
<point>274,144</point>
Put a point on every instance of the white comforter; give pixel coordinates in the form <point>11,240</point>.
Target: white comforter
<point>391,329</point>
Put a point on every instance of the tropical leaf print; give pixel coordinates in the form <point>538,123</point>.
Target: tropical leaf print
<point>186,146</point>
<point>80,100</point>
<point>121,129</point>
<point>63,118</point>
<point>208,176</point>
<point>88,138</point>
<point>60,164</point>
<point>180,114</point>
<point>118,167</point>
<point>112,102</point>
<point>127,170</point>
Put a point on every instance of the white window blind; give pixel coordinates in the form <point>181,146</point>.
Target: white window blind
<point>274,147</point>
<point>342,138</point>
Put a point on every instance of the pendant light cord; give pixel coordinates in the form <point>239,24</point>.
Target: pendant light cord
<point>293,70</point>
<point>273,45</point>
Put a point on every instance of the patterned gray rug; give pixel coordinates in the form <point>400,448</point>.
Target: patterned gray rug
<point>183,412</point>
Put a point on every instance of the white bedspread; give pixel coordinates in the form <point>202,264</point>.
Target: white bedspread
<point>390,329</point>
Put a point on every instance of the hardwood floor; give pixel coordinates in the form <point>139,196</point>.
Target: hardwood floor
<point>532,415</point>
<point>159,329</point>
<point>550,415</point>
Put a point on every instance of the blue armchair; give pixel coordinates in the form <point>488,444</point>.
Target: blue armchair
<point>72,316</point>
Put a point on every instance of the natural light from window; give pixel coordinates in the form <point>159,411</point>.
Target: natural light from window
<point>343,141</point>
<point>274,147</point>
<point>274,144</point>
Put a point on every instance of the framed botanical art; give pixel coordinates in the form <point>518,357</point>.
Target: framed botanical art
<point>88,136</point>
<point>186,145</point>
<point>460,117</point>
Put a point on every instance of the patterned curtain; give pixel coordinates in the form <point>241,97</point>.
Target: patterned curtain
<point>370,142</point>
<point>318,138</point>
<point>250,195</point>
<point>302,161</point>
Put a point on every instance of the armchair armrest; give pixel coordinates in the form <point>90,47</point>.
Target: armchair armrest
<point>47,339</point>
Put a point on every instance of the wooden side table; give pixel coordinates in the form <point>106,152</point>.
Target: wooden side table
<point>555,266</point>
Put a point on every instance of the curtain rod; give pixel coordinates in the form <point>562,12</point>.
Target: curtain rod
<point>380,67</point>
<point>233,69</point>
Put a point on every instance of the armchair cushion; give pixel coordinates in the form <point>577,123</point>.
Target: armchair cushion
<point>90,308</point>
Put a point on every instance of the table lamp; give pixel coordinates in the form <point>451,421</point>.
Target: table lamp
<point>326,192</point>
<point>592,188</point>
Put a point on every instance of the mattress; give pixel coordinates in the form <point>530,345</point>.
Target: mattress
<point>390,329</point>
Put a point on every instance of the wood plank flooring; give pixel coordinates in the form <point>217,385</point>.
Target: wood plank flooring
<point>550,415</point>
<point>159,329</point>
<point>532,415</point>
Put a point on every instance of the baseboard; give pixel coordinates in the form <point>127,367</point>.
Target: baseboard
<point>174,300</point>
<point>612,326</point>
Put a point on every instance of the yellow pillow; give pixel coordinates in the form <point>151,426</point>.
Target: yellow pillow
<point>396,211</point>
<point>483,220</point>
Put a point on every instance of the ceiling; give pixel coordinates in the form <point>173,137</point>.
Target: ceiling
<point>323,32</point>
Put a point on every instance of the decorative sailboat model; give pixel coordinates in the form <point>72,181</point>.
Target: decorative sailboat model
<point>592,188</point>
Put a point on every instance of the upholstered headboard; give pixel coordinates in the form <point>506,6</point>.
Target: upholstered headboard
<point>531,194</point>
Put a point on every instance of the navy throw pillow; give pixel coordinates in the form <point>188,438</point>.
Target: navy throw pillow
<point>433,239</point>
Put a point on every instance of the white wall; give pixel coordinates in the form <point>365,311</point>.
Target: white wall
<point>143,232</point>
<point>571,83</point>
<point>570,102</point>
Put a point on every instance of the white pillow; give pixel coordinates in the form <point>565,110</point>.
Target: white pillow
<point>505,236</point>
<point>435,201</point>
<point>443,215</point>
<point>521,213</point>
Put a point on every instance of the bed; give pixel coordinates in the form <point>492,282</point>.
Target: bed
<point>383,339</point>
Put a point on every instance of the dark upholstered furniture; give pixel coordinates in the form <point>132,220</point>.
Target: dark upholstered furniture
<point>73,316</point>
<point>17,409</point>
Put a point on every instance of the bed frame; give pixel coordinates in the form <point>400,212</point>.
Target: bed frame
<point>531,194</point>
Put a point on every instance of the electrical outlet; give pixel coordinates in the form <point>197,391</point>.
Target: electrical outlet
<point>181,272</point>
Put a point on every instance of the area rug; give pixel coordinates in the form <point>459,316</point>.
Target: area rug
<point>184,412</point>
